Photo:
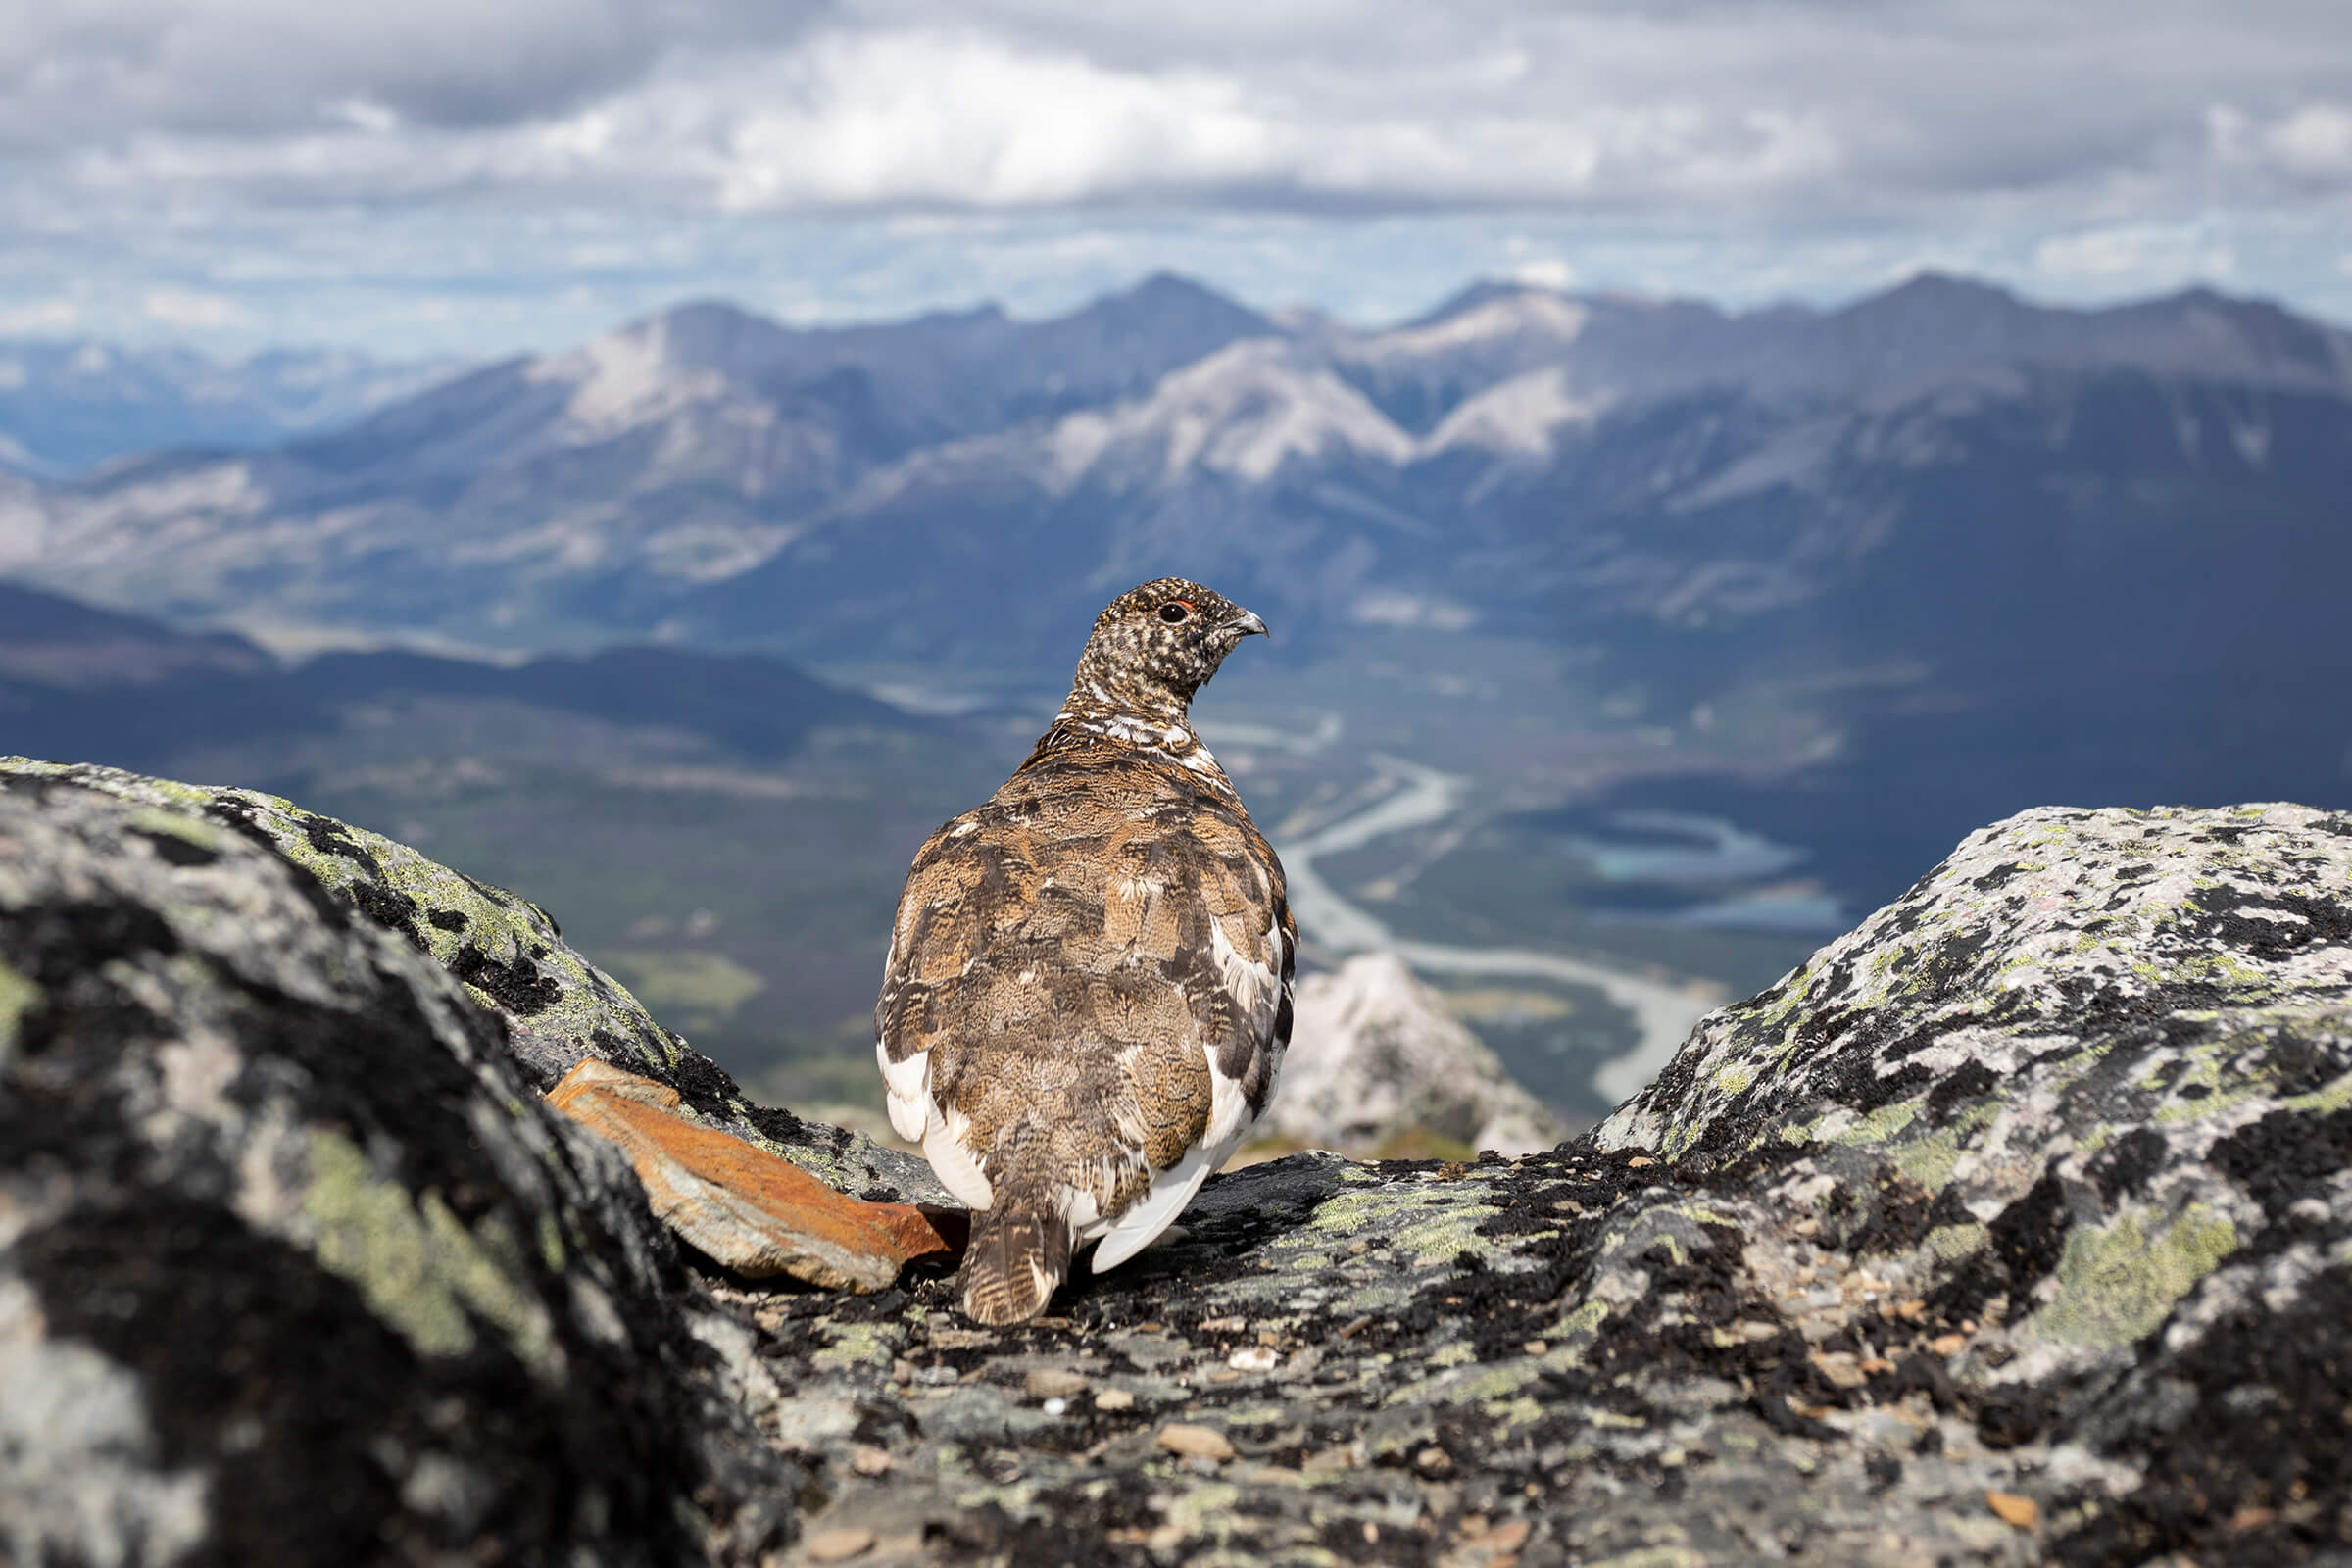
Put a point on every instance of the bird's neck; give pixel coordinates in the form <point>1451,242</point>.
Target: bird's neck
<point>1166,725</point>
<point>1147,713</point>
<point>1096,713</point>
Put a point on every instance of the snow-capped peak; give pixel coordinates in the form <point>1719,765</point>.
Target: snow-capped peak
<point>1517,317</point>
<point>1239,412</point>
<point>626,377</point>
<point>1517,417</point>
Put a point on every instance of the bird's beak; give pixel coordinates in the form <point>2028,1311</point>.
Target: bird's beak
<point>1247,624</point>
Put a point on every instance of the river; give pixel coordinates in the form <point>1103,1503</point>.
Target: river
<point>1663,1013</point>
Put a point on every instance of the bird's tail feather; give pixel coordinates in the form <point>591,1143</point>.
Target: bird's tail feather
<point>1015,1259</point>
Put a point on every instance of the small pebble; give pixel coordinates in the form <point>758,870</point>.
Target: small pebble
<point>837,1546</point>
<point>1194,1442</point>
<point>869,1460</point>
<point>1114,1400</point>
<point>1254,1358</point>
<point>2015,1511</point>
<point>1054,1406</point>
<point>1534,1347</point>
<point>1055,1383</point>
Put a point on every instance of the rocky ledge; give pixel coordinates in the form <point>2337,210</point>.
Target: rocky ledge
<point>2014,1227</point>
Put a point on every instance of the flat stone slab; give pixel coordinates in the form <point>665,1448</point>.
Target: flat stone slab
<point>752,1211</point>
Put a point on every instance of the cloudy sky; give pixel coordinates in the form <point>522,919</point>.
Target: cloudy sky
<point>478,175</point>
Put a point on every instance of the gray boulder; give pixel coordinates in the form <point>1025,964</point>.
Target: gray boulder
<point>1375,1055</point>
<point>294,1267</point>
<point>2014,1227</point>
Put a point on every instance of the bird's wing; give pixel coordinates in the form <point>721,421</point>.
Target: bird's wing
<point>933,944</point>
<point>1232,964</point>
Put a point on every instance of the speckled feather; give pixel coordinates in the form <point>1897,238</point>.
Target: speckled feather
<point>1088,993</point>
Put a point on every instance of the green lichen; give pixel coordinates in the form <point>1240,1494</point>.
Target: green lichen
<point>2327,1097</point>
<point>176,825</point>
<point>860,1345</point>
<point>180,793</point>
<point>1795,1132</point>
<point>1952,1242</point>
<point>1929,1160</point>
<point>551,1243</point>
<point>2116,1283</point>
<point>17,996</point>
<point>415,1262</point>
<point>1205,1510</point>
<point>1580,1325</point>
<point>1882,1124</point>
<point>1388,1205</point>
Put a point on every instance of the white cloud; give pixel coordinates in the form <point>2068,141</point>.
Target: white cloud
<point>193,308</point>
<point>516,169</point>
<point>960,119</point>
<point>2134,254</point>
<point>1543,271</point>
<point>2315,141</point>
<point>40,318</point>
<point>1809,108</point>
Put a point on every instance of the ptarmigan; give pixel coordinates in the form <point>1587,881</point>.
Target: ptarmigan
<point>1088,993</point>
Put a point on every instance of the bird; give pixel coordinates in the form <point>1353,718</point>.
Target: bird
<point>1087,991</point>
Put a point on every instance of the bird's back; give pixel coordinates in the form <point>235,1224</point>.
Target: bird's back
<point>1087,999</point>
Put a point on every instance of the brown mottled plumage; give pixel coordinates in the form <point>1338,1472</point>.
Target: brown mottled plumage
<point>1088,986</point>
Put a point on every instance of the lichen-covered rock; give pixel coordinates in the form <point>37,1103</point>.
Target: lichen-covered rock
<point>2087,1087</point>
<point>293,1266</point>
<point>1375,1055</point>
<point>2015,1227</point>
<point>557,1008</point>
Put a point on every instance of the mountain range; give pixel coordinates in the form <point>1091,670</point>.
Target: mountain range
<point>2010,552</point>
<point>1517,458</point>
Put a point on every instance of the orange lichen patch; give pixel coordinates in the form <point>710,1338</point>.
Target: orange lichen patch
<point>759,1214</point>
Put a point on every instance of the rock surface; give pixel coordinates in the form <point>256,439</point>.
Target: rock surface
<point>294,1267</point>
<point>2014,1227</point>
<point>557,1009</point>
<point>1375,1055</point>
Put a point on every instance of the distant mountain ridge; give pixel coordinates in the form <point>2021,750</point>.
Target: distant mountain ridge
<point>69,405</point>
<point>1514,456</point>
<point>103,686</point>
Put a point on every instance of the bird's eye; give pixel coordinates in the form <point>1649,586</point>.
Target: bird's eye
<point>1176,612</point>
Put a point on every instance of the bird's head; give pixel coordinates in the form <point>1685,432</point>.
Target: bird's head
<point>1154,646</point>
